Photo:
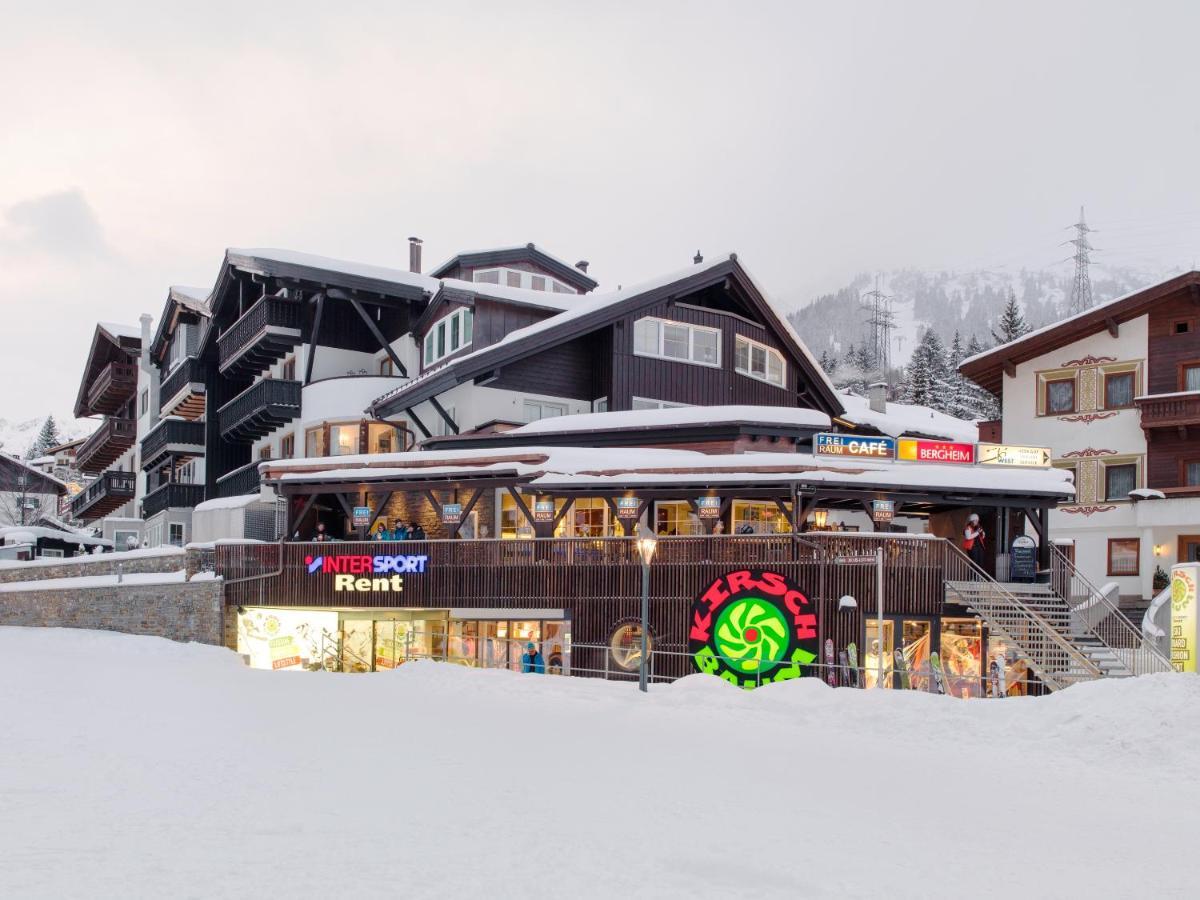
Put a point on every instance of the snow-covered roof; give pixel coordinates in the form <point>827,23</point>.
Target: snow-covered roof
<point>194,298</point>
<point>905,418</point>
<point>517,248</point>
<point>117,330</point>
<point>341,266</point>
<point>578,467</point>
<point>30,534</point>
<point>545,299</point>
<point>239,502</point>
<point>679,415</point>
<point>29,468</point>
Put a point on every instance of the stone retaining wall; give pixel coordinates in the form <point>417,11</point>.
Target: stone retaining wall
<point>166,560</point>
<point>181,611</point>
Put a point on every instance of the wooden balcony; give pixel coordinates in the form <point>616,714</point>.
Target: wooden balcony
<point>106,444</point>
<point>112,388</point>
<point>109,492</point>
<point>263,335</point>
<point>172,495</point>
<point>182,392</point>
<point>259,410</point>
<point>172,437</point>
<point>1170,410</point>
<point>241,481</point>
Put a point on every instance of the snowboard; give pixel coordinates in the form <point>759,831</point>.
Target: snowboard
<point>902,669</point>
<point>830,671</point>
<point>994,678</point>
<point>844,665</point>
<point>852,654</point>
<point>1001,677</point>
<point>938,682</point>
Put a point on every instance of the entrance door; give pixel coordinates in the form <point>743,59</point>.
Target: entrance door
<point>1189,548</point>
<point>877,658</point>
<point>916,642</point>
<point>358,644</point>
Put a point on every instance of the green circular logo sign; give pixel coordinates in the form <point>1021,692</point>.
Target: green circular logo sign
<point>753,627</point>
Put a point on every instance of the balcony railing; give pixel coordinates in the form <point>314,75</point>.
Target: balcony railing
<point>259,410</point>
<point>263,335</point>
<point>110,491</point>
<point>172,495</point>
<point>177,437</point>
<point>106,444</point>
<point>1170,410</point>
<point>112,387</point>
<point>182,392</point>
<point>240,482</point>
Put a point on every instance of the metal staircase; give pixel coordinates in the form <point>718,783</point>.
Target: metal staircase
<point>1068,630</point>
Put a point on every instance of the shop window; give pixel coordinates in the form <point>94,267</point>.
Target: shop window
<point>343,439</point>
<point>1123,556</point>
<point>751,517</point>
<point>1190,377</point>
<point>758,361</point>
<point>1016,669</point>
<point>962,646</point>
<point>676,517</point>
<point>513,524</point>
<point>625,647</point>
<point>589,517</point>
<point>543,409</point>
<point>1118,390</point>
<point>877,659</point>
<point>521,634</point>
<point>287,446</point>
<point>1060,396</point>
<point>677,341</point>
<point>1119,481</point>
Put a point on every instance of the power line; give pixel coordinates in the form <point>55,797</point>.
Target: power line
<point>881,320</point>
<point>1081,289</point>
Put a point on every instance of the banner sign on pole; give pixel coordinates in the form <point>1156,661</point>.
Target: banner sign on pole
<point>627,507</point>
<point>870,447</point>
<point>1010,455</point>
<point>935,451</point>
<point>543,511</point>
<point>362,516</point>
<point>882,511</point>
<point>708,507</point>
<point>451,513</point>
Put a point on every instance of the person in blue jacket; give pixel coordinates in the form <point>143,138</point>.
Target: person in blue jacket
<point>532,660</point>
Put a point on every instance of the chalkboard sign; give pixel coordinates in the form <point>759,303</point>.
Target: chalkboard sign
<point>1023,560</point>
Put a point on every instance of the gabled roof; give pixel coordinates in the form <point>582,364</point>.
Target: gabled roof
<point>530,253</point>
<point>987,368</point>
<point>180,300</point>
<point>455,289</point>
<point>56,485</point>
<point>595,312</point>
<point>907,419</point>
<point>111,342</point>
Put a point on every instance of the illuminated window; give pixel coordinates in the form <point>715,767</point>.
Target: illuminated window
<point>758,518</point>
<point>343,439</point>
<point>314,441</point>
<point>758,361</point>
<point>675,517</point>
<point>382,438</point>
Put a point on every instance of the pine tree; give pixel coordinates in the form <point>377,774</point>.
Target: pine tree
<point>927,381</point>
<point>829,363</point>
<point>959,405</point>
<point>48,437</point>
<point>978,402</point>
<point>1012,324</point>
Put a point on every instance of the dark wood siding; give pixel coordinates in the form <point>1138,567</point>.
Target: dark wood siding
<point>1167,350</point>
<point>1166,453</point>
<point>681,382</point>
<point>565,370</point>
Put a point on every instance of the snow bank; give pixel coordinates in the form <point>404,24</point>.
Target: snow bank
<point>139,767</point>
<point>139,553</point>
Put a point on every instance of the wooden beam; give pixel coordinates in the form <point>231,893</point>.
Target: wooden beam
<point>380,506</point>
<point>441,411</point>
<point>521,505</point>
<point>341,498</point>
<point>466,511</point>
<point>294,524</point>
<point>1010,368</point>
<point>786,514</point>
<point>377,334</point>
<point>434,502</point>
<point>566,507</point>
<point>411,413</point>
<point>312,340</point>
<point>1113,328</point>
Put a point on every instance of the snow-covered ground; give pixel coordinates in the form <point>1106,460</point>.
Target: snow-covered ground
<point>135,767</point>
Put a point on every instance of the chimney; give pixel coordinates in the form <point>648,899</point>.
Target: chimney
<point>697,259</point>
<point>414,255</point>
<point>878,397</point>
<point>582,266</point>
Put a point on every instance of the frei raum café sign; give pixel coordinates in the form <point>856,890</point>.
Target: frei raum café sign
<point>920,450</point>
<point>357,572</point>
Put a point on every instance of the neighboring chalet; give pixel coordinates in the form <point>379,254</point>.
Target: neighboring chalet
<point>108,391</point>
<point>1115,392</point>
<point>26,492</point>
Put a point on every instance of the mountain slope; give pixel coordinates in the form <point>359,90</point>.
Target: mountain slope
<point>17,436</point>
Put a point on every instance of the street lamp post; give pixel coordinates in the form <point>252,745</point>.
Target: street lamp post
<point>646,544</point>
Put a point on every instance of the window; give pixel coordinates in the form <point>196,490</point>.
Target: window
<point>1123,556</point>
<point>1182,327</point>
<point>343,439</point>
<point>381,438</point>
<point>48,552</point>
<point>264,452</point>
<point>600,405</point>
<point>1119,481</point>
<point>675,517</point>
<point>647,403</point>
<point>487,276</point>
<point>386,367</point>
<point>758,518</point>
<point>448,335</point>
<point>519,278</point>
<point>758,361</point>
<point>288,373</point>
<point>1191,473</point>
<point>537,282</point>
<point>677,341</point>
<point>625,647</point>
<point>1190,377</point>
<point>287,446</point>
<point>143,401</point>
<point>1060,396</point>
<point>1118,390</point>
<point>541,409</point>
<point>175,534</point>
<point>314,441</point>
<point>512,278</point>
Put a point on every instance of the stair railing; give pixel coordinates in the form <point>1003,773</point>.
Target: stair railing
<point>1093,613</point>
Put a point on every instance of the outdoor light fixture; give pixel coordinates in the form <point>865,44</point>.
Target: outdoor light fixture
<point>645,544</point>
<point>820,517</point>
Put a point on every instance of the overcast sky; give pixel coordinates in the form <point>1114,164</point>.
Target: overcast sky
<point>816,139</point>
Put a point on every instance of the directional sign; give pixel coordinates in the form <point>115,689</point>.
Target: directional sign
<point>1011,455</point>
<point>861,559</point>
<point>830,444</point>
<point>935,451</point>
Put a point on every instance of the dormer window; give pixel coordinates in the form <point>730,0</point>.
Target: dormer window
<point>518,278</point>
<point>759,361</point>
<point>448,335</point>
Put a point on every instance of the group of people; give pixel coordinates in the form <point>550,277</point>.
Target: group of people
<point>410,532</point>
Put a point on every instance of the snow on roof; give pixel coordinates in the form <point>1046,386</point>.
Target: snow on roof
<point>29,534</point>
<point>239,502</point>
<point>680,415</point>
<point>589,303</point>
<point>527,296</point>
<point>117,330</point>
<point>345,267</point>
<point>513,249</point>
<point>905,418</point>
<point>195,298</point>
<point>42,461</point>
<point>600,467</point>
<point>25,465</point>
